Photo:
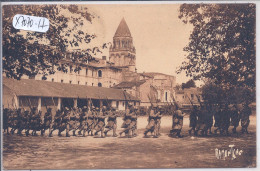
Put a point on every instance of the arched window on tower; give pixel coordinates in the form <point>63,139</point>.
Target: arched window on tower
<point>99,73</point>
<point>166,98</point>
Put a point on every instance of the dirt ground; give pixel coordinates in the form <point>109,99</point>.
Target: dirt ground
<point>20,152</point>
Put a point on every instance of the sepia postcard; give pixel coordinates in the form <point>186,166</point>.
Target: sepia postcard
<point>128,85</point>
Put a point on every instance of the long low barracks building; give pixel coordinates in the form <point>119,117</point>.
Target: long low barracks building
<point>27,93</point>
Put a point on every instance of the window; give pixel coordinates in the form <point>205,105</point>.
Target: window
<point>86,83</point>
<point>100,84</point>
<point>99,73</point>
<point>117,104</point>
<point>78,82</point>
<point>192,96</point>
<point>86,71</point>
<point>52,80</point>
<point>61,81</point>
<point>78,71</point>
<point>70,81</point>
<point>92,84</point>
<point>123,103</point>
<point>71,69</point>
<point>166,98</point>
<point>92,73</point>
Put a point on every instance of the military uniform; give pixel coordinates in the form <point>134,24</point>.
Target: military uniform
<point>14,120</point>
<point>83,121</point>
<point>6,120</point>
<point>245,113</point>
<point>177,123</point>
<point>127,121</point>
<point>193,119</point>
<point>209,119</point>
<point>57,123</point>
<point>158,122</point>
<point>26,122</point>
<point>151,122</point>
<point>133,125</point>
<point>225,120</point>
<point>111,122</point>
<point>74,120</point>
<point>35,121</point>
<point>19,118</point>
<point>100,126</point>
<point>234,118</point>
<point>47,122</point>
<point>66,120</point>
<point>91,121</point>
<point>202,122</point>
<point>217,118</point>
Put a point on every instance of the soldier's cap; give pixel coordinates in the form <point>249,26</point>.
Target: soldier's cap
<point>97,108</point>
<point>84,107</point>
<point>66,108</point>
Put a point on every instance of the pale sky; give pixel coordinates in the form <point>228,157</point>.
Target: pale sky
<point>159,36</point>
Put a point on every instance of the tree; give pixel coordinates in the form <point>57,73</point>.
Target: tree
<point>188,84</point>
<point>30,53</point>
<point>222,44</point>
<point>215,94</point>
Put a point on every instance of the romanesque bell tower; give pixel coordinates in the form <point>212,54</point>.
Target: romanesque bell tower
<point>122,52</point>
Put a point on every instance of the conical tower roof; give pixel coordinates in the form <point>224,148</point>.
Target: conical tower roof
<point>122,30</point>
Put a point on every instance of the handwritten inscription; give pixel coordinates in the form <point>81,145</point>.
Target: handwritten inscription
<point>223,154</point>
<point>32,23</point>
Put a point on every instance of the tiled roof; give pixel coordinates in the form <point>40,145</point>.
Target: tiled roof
<point>152,74</point>
<point>39,88</point>
<point>129,84</point>
<point>122,30</point>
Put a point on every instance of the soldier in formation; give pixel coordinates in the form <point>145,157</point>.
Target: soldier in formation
<point>177,123</point>
<point>83,121</point>
<point>245,113</point>
<point>111,122</point>
<point>130,122</point>
<point>193,119</point>
<point>100,122</point>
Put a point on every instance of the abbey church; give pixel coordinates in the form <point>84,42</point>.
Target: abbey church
<point>112,80</point>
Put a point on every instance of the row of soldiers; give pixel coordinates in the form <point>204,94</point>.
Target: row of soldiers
<point>84,120</point>
<point>223,116</point>
<point>87,120</point>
